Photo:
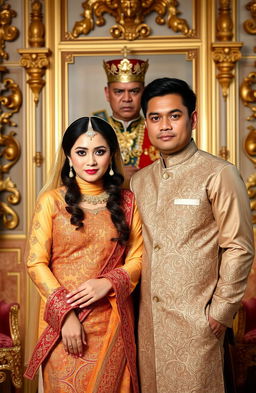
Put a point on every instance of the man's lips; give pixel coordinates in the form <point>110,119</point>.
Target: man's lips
<point>126,108</point>
<point>166,137</point>
<point>91,171</point>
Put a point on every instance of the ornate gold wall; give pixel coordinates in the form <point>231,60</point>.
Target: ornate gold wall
<point>51,73</point>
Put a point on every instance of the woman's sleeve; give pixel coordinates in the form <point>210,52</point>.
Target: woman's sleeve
<point>133,259</point>
<point>38,249</point>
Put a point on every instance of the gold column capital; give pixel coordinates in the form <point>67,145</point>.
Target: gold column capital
<point>35,61</point>
<point>225,55</point>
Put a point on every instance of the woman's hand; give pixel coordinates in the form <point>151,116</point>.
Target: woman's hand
<point>73,335</point>
<point>89,292</point>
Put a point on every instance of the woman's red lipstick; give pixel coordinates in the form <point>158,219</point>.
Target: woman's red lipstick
<point>91,171</point>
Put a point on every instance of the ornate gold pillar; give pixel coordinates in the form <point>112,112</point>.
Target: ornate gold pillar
<point>35,59</point>
<point>225,54</point>
<point>248,97</point>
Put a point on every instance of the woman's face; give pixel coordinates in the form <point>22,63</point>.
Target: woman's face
<point>90,157</point>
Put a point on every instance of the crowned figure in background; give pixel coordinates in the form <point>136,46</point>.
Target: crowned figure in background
<point>123,92</point>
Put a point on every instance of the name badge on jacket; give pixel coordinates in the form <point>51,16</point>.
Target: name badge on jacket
<point>183,201</point>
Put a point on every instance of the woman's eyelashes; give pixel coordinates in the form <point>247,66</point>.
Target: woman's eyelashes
<point>97,152</point>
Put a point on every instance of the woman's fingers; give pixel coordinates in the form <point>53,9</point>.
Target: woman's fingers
<point>75,301</point>
<point>89,292</point>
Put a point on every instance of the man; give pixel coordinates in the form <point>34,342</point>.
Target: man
<point>123,92</point>
<point>198,249</point>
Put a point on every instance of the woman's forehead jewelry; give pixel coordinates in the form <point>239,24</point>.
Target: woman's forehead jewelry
<point>90,132</point>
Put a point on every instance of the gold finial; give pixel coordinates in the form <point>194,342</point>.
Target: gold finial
<point>125,51</point>
<point>36,29</point>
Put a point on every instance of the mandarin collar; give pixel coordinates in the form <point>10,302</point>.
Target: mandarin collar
<point>90,188</point>
<point>180,156</point>
<point>126,124</point>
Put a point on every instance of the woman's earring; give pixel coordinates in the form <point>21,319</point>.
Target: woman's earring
<point>71,173</point>
<point>111,172</point>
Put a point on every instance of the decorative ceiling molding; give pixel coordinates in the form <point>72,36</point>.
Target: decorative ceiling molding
<point>129,17</point>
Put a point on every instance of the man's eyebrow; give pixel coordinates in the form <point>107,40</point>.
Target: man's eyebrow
<point>159,113</point>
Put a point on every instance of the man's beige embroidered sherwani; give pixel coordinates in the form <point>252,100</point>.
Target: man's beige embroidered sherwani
<point>198,253</point>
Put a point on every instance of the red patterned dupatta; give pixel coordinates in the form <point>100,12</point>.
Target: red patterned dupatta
<point>57,308</point>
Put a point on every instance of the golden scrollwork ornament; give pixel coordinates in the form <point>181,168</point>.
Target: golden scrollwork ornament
<point>12,101</point>
<point>9,216</point>
<point>129,16</point>
<point>7,31</point>
<point>251,190</point>
<point>250,24</point>
<point>248,94</point>
<point>250,144</point>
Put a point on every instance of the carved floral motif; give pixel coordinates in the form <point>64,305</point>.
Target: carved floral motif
<point>129,16</point>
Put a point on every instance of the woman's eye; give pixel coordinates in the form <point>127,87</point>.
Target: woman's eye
<point>81,152</point>
<point>154,118</point>
<point>100,152</point>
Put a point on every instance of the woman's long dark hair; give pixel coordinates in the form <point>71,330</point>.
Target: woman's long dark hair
<point>111,184</point>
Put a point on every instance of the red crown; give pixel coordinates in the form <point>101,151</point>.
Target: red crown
<point>125,70</point>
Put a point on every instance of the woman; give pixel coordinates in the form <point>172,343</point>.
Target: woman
<point>84,256</point>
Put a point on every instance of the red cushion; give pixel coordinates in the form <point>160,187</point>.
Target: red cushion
<point>5,341</point>
<point>250,337</point>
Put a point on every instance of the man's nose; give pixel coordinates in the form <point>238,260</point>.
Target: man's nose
<point>127,96</point>
<point>166,124</point>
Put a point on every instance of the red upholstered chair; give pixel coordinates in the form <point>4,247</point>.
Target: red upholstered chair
<point>10,348</point>
<point>245,344</point>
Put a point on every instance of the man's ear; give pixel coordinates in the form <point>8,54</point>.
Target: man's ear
<point>106,89</point>
<point>194,118</point>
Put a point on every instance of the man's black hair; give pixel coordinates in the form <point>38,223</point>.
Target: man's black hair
<point>163,86</point>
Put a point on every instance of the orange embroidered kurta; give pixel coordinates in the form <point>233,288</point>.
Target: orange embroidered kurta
<point>61,256</point>
<point>198,253</point>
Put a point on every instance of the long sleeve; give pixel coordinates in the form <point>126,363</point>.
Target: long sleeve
<point>134,256</point>
<point>231,210</point>
<point>38,251</point>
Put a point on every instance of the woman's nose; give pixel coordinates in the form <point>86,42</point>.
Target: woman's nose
<point>91,159</point>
